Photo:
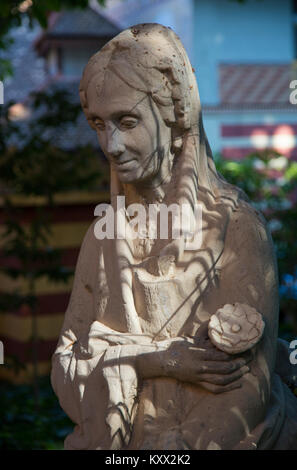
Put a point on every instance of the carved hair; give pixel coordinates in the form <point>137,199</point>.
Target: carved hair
<point>157,68</point>
<point>151,58</point>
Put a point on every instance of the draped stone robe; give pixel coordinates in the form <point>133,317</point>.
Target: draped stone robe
<point>94,372</point>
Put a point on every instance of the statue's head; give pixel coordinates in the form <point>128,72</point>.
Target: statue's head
<point>139,93</point>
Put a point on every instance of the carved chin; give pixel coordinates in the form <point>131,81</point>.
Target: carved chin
<point>133,175</point>
<point>128,176</point>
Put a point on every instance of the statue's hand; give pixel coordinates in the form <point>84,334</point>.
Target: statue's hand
<point>201,363</point>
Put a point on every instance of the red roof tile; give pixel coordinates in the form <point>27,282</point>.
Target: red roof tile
<point>255,84</point>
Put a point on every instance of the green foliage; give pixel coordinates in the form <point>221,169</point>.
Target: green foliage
<point>32,165</point>
<point>270,181</point>
<point>24,429</point>
<point>12,13</point>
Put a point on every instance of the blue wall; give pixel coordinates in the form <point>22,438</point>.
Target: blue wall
<point>226,31</point>
<point>178,14</point>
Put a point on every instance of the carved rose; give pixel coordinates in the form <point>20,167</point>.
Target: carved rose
<point>235,328</point>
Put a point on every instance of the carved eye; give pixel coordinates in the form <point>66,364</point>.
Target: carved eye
<point>128,122</point>
<point>99,124</point>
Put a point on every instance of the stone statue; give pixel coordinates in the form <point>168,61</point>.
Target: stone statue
<point>139,364</point>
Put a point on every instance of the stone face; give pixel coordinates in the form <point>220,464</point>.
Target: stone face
<point>235,328</point>
<point>135,367</point>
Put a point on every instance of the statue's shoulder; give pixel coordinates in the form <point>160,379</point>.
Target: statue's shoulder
<point>249,250</point>
<point>90,250</point>
<point>248,225</point>
<point>90,242</point>
<point>244,208</point>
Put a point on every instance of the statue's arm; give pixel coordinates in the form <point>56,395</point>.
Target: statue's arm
<point>249,276</point>
<point>199,363</point>
<point>77,321</point>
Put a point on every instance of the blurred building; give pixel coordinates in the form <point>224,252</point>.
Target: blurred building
<point>245,58</point>
<point>55,58</point>
<point>244,55</point>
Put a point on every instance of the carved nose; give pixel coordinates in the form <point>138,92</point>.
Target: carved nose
<point>115,146</point>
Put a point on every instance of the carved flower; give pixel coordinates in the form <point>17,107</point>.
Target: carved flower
<point>235,328</point>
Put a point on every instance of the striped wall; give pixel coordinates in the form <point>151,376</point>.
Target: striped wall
<point>71,219</point>
<point>242,139</point>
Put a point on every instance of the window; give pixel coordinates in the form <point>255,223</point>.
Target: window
<point>74,60</point>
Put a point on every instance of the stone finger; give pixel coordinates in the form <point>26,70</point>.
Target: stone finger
<point>216,355</point>
<point>221,367</point>
<point>221,379</point>
<point>219,388</point>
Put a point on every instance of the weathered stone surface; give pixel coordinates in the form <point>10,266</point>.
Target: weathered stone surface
<point>235,328</point>
<point>134,367</point>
